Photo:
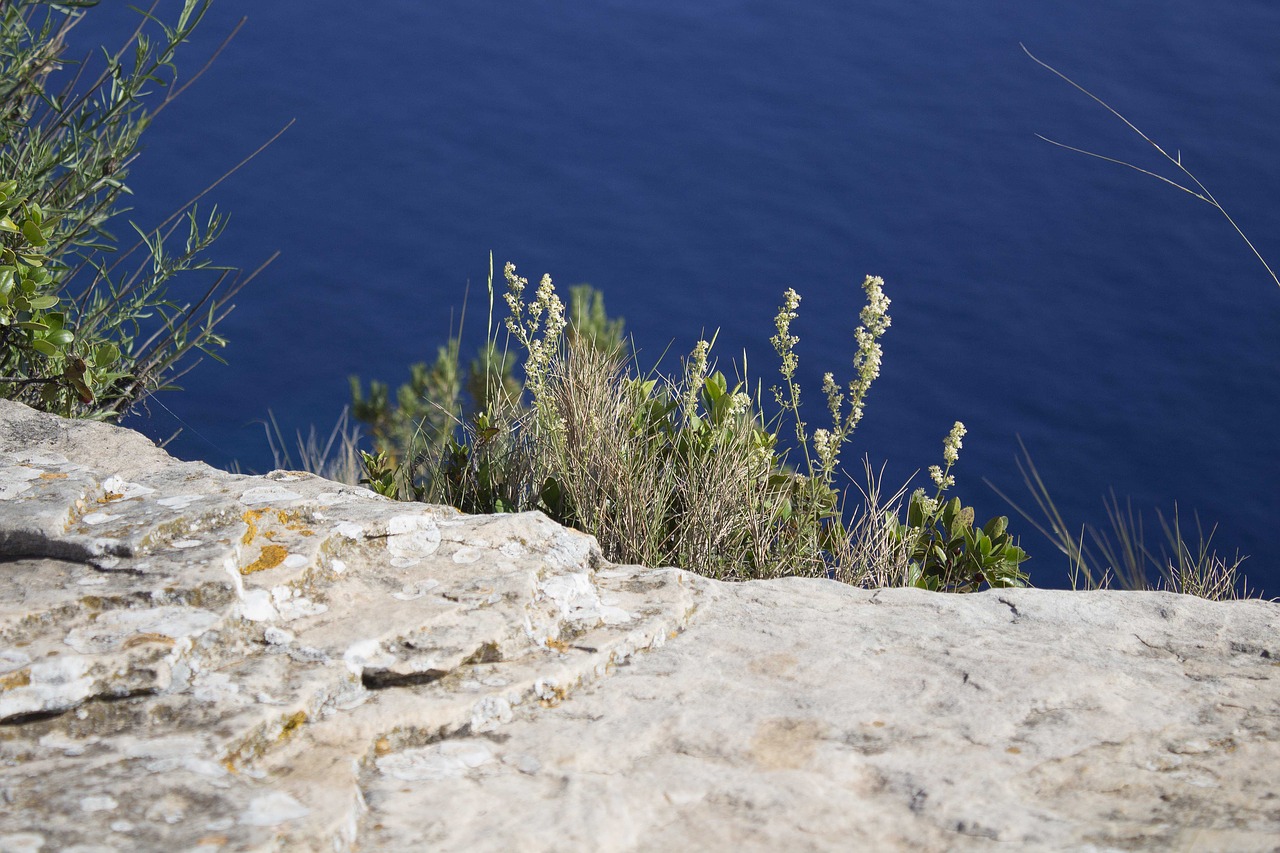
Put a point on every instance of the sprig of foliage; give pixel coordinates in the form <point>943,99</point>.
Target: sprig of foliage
<point>67,144</point>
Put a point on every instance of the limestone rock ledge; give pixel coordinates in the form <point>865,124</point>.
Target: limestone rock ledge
<point>195,660</point>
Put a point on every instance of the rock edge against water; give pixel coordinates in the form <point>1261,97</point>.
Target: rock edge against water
<point>191,659</point>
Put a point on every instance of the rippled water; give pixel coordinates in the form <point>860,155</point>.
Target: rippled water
<point>693,160</point>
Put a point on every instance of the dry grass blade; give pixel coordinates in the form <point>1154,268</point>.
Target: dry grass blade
<point>1201,191</point>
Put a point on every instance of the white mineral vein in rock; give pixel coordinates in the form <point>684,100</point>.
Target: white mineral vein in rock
<point>273,809</point>
<point>412,591</point>
<point>14,480</point>
<point>267,494</point>
<point>125,489</point>
<point>11,659</point>
<point>350,530</point>
<point>256,606</point>
<point>101,803</point>
<point>180,501</point>
<point>111,629</point>
<point>578,600</point>
<point>52,684</point>
<point>448,760</point>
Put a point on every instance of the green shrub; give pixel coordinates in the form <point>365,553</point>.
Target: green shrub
<point>88,331</point>
<point>684,471</point>
<point>945,550</point>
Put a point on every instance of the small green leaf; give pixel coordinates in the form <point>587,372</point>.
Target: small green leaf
<point>7,224</point>
<point>41,303</point>
<point>43,347</point>
<point>31,230</point>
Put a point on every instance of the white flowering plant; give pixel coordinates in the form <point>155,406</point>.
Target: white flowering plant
<point>684,470</point>
<point>944,548</point>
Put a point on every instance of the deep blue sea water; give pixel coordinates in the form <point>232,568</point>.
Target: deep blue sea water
<point>693,160</point>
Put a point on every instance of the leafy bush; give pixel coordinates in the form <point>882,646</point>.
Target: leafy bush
<point>944,549</point>
<point>684,471</point>
<point>89,331</point>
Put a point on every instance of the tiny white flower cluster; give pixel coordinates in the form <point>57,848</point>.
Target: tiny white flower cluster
<point>525,327</point>
<point>739,403</point>
<point>694,373</point>
<point>827,446</point>
<point>942,481</point>
<point>875,320</point>
<point>950,453</point>
<point>951,445</point>
<point>784,342</point>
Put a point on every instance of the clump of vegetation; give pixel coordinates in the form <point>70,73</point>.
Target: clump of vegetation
<point>686,471</point>
<point>88,330</point>
<point>1100,559</point>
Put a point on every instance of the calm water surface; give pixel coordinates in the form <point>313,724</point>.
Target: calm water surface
<point>693,160</point>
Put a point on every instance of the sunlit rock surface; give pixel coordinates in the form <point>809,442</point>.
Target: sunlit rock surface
<point>195,660</point>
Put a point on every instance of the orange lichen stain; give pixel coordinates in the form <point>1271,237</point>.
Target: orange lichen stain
<point>50,475</point>
<point>109,497</point>
<point>558,645</point>
<point>271,556</point>
<point>1013,750</point>
<point>143,639</point>
<point>251,517</point>
<point>382,746</point>
<point>14,680</point>
<point>879,724</point>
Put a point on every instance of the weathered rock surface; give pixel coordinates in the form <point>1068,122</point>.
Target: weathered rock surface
<point>193,660</point>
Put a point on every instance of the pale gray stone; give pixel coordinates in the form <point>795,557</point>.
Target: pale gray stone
<point>191,659</point>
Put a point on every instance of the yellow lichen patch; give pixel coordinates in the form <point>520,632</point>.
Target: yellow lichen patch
<point>51,475</point>
<point>14,680</point>
<point>271,556</point>
<point>143,639</point>
<point>558,645</point>
<point>109,497</point>
<point>251,517</point>
<point>256,746</point>
<point>1013,750</point>
<point>382,746</point>
<point>292,724</point>
<point>293,520</point>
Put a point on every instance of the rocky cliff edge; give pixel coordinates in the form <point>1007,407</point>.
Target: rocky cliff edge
<point>195,660</point>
